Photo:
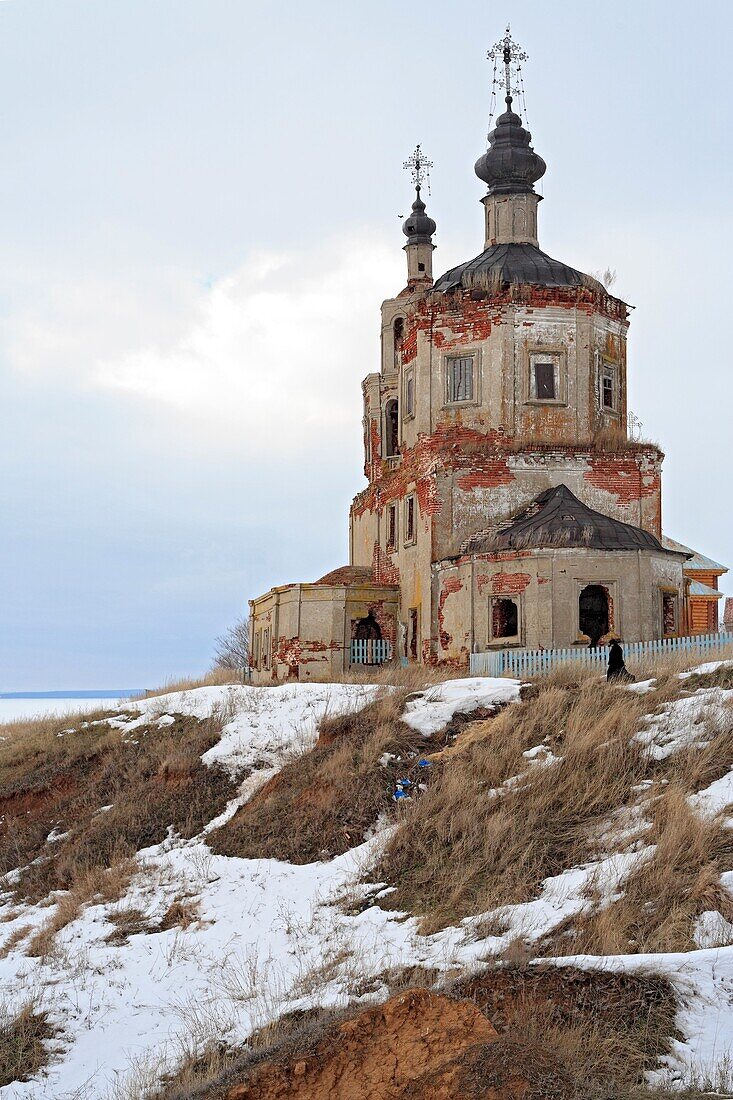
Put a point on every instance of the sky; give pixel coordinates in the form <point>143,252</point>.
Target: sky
<point>200,208</point>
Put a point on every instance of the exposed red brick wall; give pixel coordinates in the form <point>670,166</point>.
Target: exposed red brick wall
<point>510,584</point>
<point>384,569</point>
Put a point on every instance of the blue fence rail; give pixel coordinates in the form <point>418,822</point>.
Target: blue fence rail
<point>370,651</point>
<point>536,662</point>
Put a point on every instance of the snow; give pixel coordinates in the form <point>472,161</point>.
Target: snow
<point>431,710</point>
<point>272,938</point>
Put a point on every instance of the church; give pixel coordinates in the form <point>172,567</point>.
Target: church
<point>506,502</point>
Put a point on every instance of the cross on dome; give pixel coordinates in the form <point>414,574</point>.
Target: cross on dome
<point>511,55</point>
<point>419,167</point>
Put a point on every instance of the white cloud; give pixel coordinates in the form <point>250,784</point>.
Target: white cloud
<point>271,352</point>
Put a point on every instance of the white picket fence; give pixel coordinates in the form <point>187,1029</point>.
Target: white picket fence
<point>370,651</point>
<point>536,662</point>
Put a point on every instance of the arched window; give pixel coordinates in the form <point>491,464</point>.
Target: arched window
<point>391,429</point>
<point>367,629</point>
<point>504,618</point>
<point>593,616</point>
<point>398,331</point>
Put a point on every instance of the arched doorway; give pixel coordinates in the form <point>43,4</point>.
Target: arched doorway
<point>593,617</point>
<point>368,629</point>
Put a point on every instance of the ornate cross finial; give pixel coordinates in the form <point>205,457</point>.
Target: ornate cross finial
<point>419,167</point>
<point>511,55</point>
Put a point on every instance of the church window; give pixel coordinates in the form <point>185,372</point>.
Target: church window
<point>391,429</point>
<point>421,267</point>
<point>266,648</point>
<point>409,394</point>
<point>504,618</point>
<point>391,526</point>
<point>544,381</point>
<point>608,387</point>
<point>459,379</point>
<point>398,331</point>
<point>410,519</point>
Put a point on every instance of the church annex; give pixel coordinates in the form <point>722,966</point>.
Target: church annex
<point>505,504</point>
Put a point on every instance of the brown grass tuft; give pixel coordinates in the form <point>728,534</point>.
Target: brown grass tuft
<point>24,1034</point>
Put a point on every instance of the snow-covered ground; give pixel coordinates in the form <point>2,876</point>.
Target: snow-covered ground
<point>273,937</point>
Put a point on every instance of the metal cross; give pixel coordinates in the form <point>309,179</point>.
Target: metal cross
<point>419,167</point>
<point>508,52</point>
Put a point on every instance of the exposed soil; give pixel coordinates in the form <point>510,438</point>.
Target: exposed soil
<point>412,1046</point>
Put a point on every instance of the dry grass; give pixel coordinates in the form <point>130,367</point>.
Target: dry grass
<point>462,849</point>
<point>214,678</point>
<point>104,794</point>
<point>323,801</point>
<point>24,1034</point>
<point>96,884</point>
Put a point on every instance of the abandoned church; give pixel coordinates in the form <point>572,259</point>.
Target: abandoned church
<point>506,502</point>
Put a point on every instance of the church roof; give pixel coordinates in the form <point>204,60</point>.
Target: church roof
<point>696,560</point>
<point>348,574</point>
<point>513,263</point>
<point>557,519</point>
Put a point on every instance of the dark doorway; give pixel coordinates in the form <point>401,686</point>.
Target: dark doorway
<point>504,618</point>
<point>368,629</point>
<point>391,428</point>
<point>413,633</point>
<point>593,612</point>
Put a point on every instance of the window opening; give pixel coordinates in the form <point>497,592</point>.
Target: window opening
<point>398,330</point>
<point>391,526</point>
<point>410,519</point>
<point>266,648</point>
<point>504,618</point>
<point>413,633</point>
<point>409,394</point>
<point>593,612</point>
<point>460,379</point>
<point>544,381</point>
<point>391,425</point>
<point>609,388</point>
<point>669,613</point>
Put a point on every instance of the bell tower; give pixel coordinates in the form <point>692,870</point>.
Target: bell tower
<point>418,227</point>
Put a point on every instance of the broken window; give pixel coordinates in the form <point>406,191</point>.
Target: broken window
<point>669,613</point>
<point>459,379</point>
<point>391,526</point>
<point>266,648</point>
<point>504,618</point>
<point>413,636</point>
<point>410,519</point>
<point>544,381</point>
<point>391,429</point>
<point>608,388</point>
<point>409,394</point>
<point>398,331</point>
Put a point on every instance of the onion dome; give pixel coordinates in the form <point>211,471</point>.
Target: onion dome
<point>418,227</point>
<point>510,166</point>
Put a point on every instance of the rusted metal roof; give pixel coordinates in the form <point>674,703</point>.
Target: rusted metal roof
<point>557,519</point>
<point>514,263</point>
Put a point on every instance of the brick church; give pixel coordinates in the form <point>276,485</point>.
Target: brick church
<point>505,504</point>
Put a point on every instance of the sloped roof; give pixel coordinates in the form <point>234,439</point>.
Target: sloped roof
<point>348,574</point>
<point>697,588</point>
<point>514,263</point>
<point>557,519</point>
<point>697,560</point>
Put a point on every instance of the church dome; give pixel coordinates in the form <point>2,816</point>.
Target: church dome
<point>510,165</point>
<point>523,264</point>
<point>418,227</point>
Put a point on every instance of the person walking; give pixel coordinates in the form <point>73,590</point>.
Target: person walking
<point>617,670</point>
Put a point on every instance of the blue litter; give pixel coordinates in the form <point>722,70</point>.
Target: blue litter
<point>424,763</point>
<point>398,795</point>
<point>404,782</point>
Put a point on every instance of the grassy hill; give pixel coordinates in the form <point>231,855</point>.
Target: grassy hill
<point>459,888</point>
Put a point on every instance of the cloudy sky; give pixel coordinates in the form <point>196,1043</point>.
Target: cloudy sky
<point>199,217</point>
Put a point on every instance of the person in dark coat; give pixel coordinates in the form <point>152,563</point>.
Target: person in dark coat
<point>617,670</point>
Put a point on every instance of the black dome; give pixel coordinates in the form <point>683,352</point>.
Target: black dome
<point>513,263</point>
<point>510,166</point>
<point>418,227</point>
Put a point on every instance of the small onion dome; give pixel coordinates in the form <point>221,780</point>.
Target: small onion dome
<point>418,227</point>
<point>510,165</point>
